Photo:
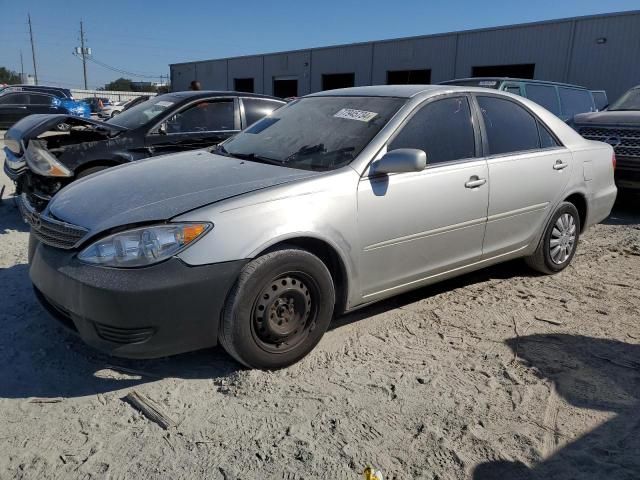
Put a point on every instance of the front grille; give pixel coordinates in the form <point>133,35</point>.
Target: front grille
<point>628,138</point>
<point>123,335</point>
<point>50,231</point>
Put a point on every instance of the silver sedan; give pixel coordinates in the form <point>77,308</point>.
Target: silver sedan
<point>334,201</point>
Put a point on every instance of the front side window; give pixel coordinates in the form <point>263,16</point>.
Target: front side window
<point>255,109</point>
<point>575,101</point>
<point>443,129</point>
<point>314,133</point>
<point>206,116</point>
<point>545,96</point>
<point>509,127</point>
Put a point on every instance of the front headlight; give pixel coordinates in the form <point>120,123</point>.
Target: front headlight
<point>143,246</point>
<point>43,163</point>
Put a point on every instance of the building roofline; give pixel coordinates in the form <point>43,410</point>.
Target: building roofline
<point>420,37</point>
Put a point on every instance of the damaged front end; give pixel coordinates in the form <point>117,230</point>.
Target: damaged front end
<point>32,159</point>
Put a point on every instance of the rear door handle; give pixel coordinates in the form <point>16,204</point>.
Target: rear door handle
<point>560,165</point>
<point>475,182</point>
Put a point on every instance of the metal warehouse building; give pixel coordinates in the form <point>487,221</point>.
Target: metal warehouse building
<point>599,52</point>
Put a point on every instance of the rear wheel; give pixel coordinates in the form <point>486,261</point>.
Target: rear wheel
<point>559,241</point>
<point>278,309</point>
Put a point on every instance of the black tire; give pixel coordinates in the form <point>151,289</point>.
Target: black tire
<point>114,113</point>
<point>543,259</point>
<point>267,323</point>
<point>91,170</point>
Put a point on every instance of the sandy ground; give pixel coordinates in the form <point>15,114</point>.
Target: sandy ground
<point>499,374</point>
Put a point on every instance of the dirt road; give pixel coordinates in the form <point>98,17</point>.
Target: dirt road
<point>498,374</point>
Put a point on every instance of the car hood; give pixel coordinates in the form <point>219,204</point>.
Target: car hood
<point>33,125</point>
<point>158,189</point>
<point>608,118</point>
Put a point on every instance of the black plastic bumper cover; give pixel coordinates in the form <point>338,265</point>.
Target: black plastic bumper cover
<point>149,312</point>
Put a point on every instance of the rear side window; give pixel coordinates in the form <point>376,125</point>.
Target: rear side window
<point>443,129</point>
<point>14,99</point>
<point>546,139</point>
<point>575,101</point>
<point>510,128</point>
<point>255,109</point>
<point>545,96</point>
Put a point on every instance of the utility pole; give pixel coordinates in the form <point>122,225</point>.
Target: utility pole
<point>83,52</point>
<point>33,51</point>
<point>21,68</point>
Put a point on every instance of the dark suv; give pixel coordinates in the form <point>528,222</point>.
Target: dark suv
<point>619,126</point>
<point>175,122</point>
<point>56,91</point>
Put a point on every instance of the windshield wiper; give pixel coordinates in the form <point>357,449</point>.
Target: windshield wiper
<point>252,157</point>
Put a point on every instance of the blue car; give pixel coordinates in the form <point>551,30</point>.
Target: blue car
<point>16,105</point>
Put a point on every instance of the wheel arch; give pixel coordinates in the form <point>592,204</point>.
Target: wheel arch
<point>98,163</point>
<point>579,200</point>
<point>327,252</point>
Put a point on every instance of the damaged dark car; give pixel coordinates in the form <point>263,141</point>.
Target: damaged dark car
<point>41,165</point>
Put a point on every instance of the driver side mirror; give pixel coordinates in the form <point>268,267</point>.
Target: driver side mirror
<point>162,128</point>
<point>401,160</point>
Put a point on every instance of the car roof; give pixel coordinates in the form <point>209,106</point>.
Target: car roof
<point>189,94</point>
<point>510,79</point>
<point>401,91</point>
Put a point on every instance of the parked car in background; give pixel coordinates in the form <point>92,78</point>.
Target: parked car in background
<point>56,91</point>
<point>164,124</point>
<point>619,126</point>
<point>97,103</point>
<point>600,99</point>
<point>561,99</point>
<point>111,110</point>
<point>336,200</point>
<point>15,106</point>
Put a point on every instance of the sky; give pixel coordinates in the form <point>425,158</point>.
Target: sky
<point>144,37</point>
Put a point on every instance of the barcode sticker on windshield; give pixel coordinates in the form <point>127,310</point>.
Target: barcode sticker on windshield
<point>352,114</point>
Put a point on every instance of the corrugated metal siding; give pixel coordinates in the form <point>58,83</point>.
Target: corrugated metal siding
<point>545,45</point>
<point>296,64</point>
<point>246,67</point>
<point>435,53</point>
<point>614,65</point>
<point>564,50</point>
<point>349,59</point>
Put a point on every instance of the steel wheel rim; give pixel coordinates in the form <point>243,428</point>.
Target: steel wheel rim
<point>563,239</point>
<point>285,312</point>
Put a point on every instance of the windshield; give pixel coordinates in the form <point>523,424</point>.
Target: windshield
<point>314,133</point>
<point>144,112</point>
<point>628,101</point>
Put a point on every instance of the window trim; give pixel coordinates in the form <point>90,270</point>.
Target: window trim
<point>485,140</point>
<point>236,119</point>
<point>420,106</point>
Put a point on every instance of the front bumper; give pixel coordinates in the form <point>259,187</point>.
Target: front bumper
<point>148,312</point>
<point>627,174</point>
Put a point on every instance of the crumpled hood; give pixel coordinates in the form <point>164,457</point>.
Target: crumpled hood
<point>608,118</point>
<point>160,188</point>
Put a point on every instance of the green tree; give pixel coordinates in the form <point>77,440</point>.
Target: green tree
<point>121,84</point>
<point>9,76</point>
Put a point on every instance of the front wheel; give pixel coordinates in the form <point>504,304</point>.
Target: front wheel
<point>278,309</point>
<point>559,241</point>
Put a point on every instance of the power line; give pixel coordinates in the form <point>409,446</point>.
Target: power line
<point>119,70</point>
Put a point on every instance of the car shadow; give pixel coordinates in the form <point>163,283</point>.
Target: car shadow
<point>625,211</point>
<point>588,373</point>
<point>10,219</point>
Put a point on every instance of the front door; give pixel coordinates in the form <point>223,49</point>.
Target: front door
<point>528,170</point>
<point>199,125</point>
<point>415,226</point>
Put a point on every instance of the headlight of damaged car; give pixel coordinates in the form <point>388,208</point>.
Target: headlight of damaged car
<point>43,163</point>
<point>143,246</point>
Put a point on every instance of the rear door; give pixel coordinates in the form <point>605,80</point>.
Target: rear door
<point>198,125</point>
<point>41,103</point>
<point>528,171</point>
<point>414,226</point>
<point>13,107</point>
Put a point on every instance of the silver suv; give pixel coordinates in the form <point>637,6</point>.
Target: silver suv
<point>337,200</point>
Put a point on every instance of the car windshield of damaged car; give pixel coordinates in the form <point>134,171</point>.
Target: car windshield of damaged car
<point>628,101</point>
<point>143,112</point>
<point>314,133</point>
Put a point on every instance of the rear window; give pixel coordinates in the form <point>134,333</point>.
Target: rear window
<point>545,96</point>
<point>574,101</point>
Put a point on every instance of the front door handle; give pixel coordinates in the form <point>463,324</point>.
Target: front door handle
<point>475,182</point>
<point>560,165</point>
